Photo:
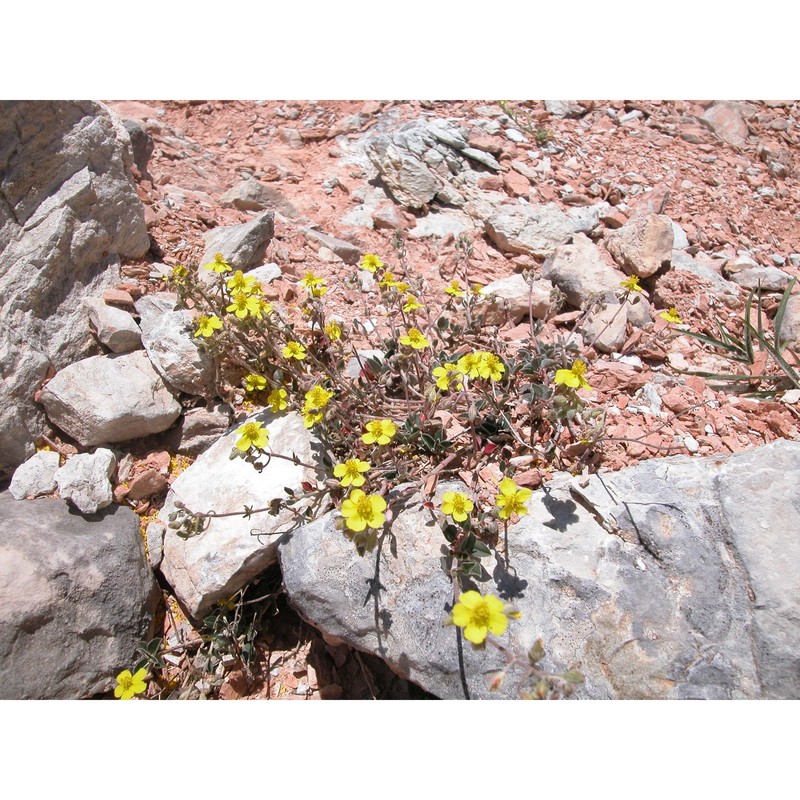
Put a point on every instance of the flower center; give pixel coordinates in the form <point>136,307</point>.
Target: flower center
<point>250,430</point>
<point>480,616</point>
<point>125,682</point>
<point>364,507</point>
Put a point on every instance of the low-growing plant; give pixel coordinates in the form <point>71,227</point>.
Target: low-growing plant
<point>446,398</point>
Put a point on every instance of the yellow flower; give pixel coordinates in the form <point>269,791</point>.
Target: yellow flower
<point>573,378</point>
<point>178,274</point>
<point>219,264</point>
<point>491,366</point>
<point>454,289</point>
<point>252,434</point>
<point>402,287</point>
<point>254,383</point>
<point>294,350</point>
<point>277,400</point>
<point>456,505</point>
<point>416,339</point>
<point>128,685</point>
<point>239,282</point>
<point>264,307</point>
<point>411,303</point>
<point>470,364</point>
<point>448,377</point>
<point>387,281</point>
<point>371,262</point>
<point>349,472</point>
<point>317,398</point>
<point>333,331</point>
<point>379,431</point>
<point>310,416</point>
<point>511,499</point>
<point>477,289</point>
<point>314,284</point>
<point>207,324</point>
<point>671,316</point>
<point>479,615</point>
<point>244,304</point>
<point>631,284</point>
<point>363,510</point>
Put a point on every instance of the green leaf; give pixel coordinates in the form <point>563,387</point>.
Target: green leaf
<point>573,676</point>
<point>779,344</point>
<point>480,550</point>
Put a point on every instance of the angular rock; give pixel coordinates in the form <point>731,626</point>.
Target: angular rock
<point>76,597</point>
<point>516,299</point>
<point>642,579</point>
<point>566,109</point>
<point>231,551</point>
<point>726,121</point>
<point>347,251</point>
<point>605,329</point>
<point>146,484</point>
<point>70,210</point>
<point>587,218</point>
<point>407,177</point>
<point>387,217</point>
<point>114,327</point>
<point>84,480</point>
<point>681,261</point>
<point>790,327</point>
<point>441,224</point>
<point>154,538</point>
<point>168,337</point>
<point>200,428</point>
<point>771,279</point>
<point>642,245</point>
<point>579,271</point>
<point>142,144</point>
<point>110,399</point>
<point>250,195</point>
<point>35,476</point>
<point>482,158</point>
<point>533,229</point>
<point>243,246</point>
<point>265,274</point>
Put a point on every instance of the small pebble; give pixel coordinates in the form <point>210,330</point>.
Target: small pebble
<point>691,444</point>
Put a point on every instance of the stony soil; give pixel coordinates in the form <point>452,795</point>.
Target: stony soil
<point>727,199</point>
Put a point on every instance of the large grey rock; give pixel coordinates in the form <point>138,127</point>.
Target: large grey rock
<point>35,476</point>
<point>515,300</point>
<point>168,337</point>
<point>68,211</point>
<point>110,399</point>
<point>677,578</point>
<point>643,245</point>
<point>114,327</point>
<point>578,269</point>
<point>232,550</point>
<point>84,480</point>
<point>243,246</point>
<point>76,597</point>
<point>533,229</point>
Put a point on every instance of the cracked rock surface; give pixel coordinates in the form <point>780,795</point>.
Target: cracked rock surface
<point>636,579</point>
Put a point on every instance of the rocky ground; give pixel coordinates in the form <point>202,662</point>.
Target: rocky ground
<point>726,195</point>
<point>723,173</point>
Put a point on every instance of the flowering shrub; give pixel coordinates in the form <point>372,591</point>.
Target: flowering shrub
<point>447,398</point>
